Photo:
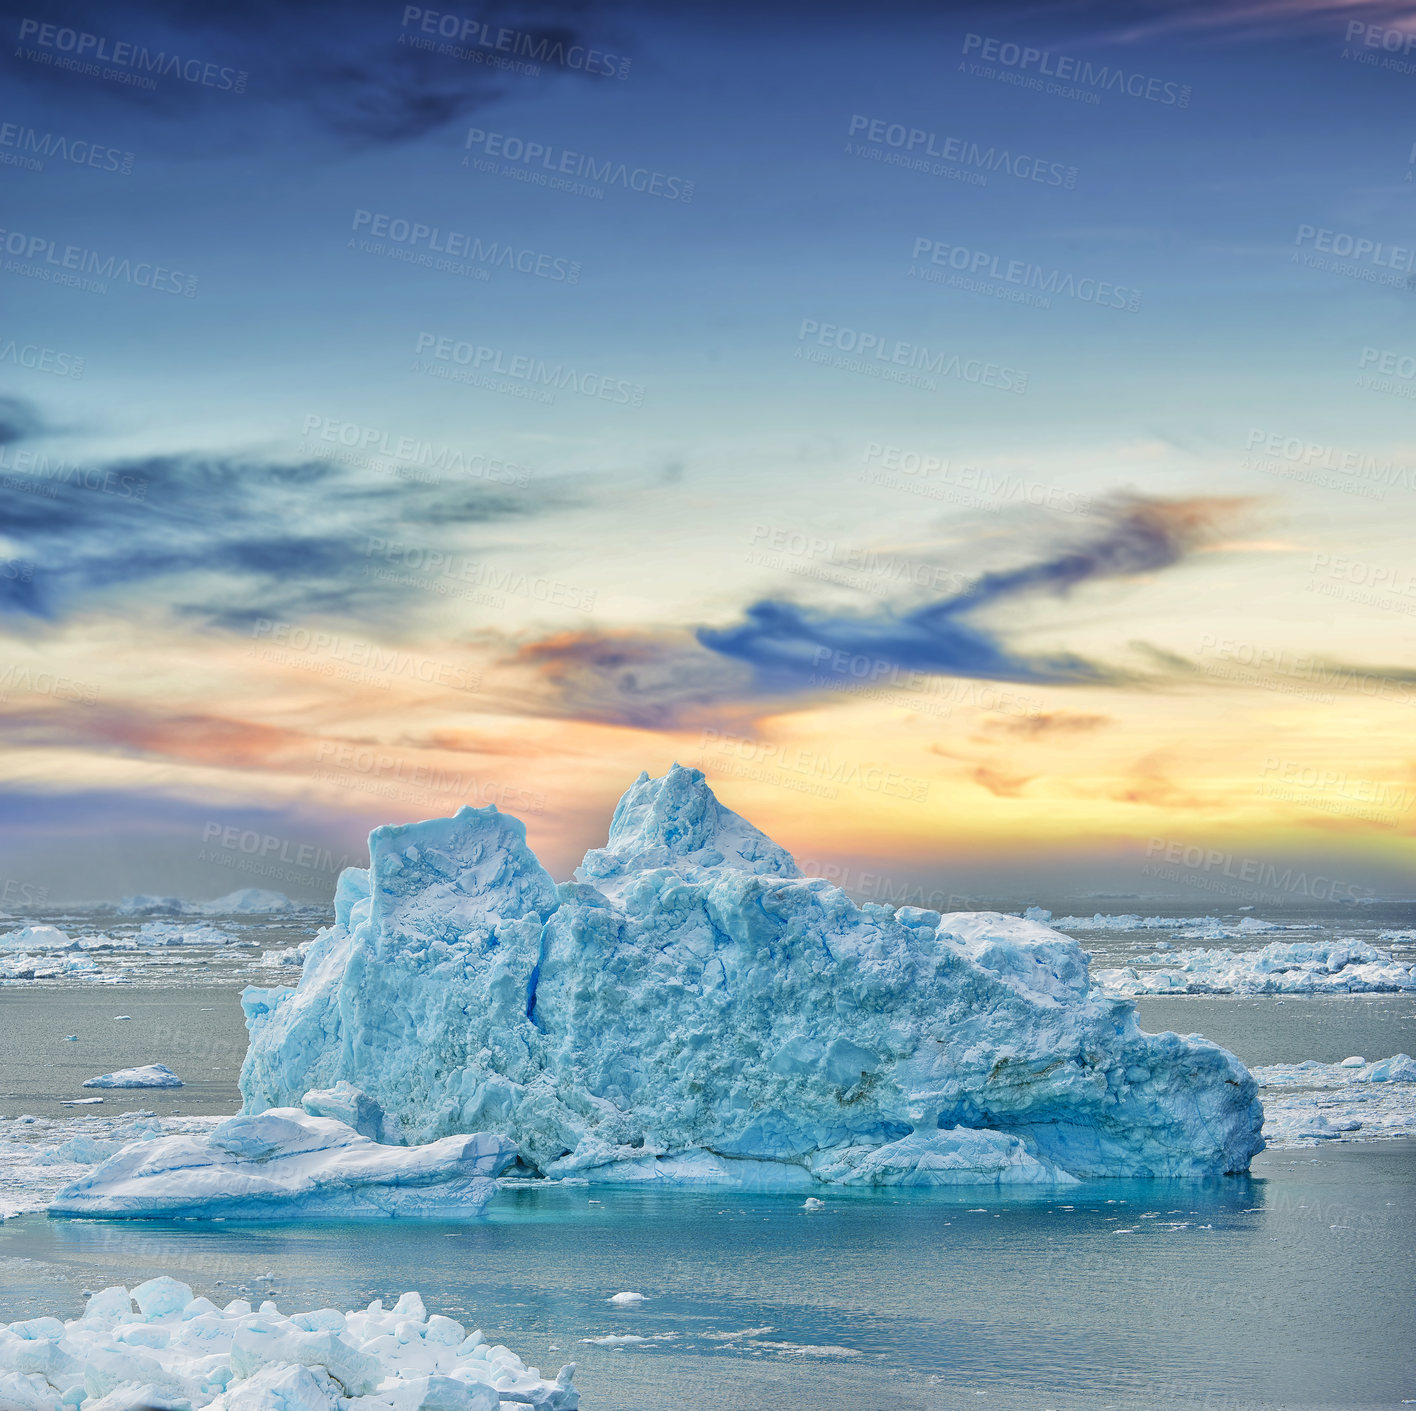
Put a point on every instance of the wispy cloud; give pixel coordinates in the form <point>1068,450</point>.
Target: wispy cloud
<point>224,540</point>
<point>783,652</point>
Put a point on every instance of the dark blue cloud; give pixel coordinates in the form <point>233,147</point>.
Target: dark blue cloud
<point>225,539</point>
<point>791,646</point>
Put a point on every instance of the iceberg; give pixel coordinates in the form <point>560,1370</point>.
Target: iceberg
<point>289,1164</point>
<point>1280,968</point>
<point>151,1075</point>
<point>177,1350</point>
<point>691,1009</point>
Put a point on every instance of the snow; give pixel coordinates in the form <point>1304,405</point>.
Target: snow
<point>177,1350</point>
<point>1280,968</point>
<point>288,1164</point>
<point>1310,1101</point>
<point>690,1010</point>
<point>151,1075</point>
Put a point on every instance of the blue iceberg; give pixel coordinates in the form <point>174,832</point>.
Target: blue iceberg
<point>691,1009</point>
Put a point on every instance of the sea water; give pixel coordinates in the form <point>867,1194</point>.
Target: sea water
<point>1288,1288</point>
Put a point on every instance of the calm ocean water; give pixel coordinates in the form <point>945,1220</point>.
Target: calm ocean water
<point>1288,1289</point>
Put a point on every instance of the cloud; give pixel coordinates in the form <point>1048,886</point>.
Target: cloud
<point>225,540</point>
<point>1048,723</point>
<point>648,680</point>
<point>789,645</point>
<point>783,653</point>
<point>342,67</point>
<point>1000,783</point>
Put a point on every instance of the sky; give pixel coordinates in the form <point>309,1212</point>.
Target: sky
<point>979,438</point>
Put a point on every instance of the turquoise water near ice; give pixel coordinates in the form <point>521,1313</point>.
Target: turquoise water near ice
<point>1291,1288</point>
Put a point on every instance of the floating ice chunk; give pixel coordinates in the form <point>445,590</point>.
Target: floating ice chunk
<point>184,1353</point>
<point>1037,913</point>
<point>71,1038</point>
<point>1313,1101</point>
<point>813,1203</point>
<point>246,901</point>
<point>286,1164</point>
<point>1356,1061</point>
<point>691,1010</point>
<point>627,1300</point>
<point>36,938</point>
<point>151,1075</point>
<point>1282,967</point>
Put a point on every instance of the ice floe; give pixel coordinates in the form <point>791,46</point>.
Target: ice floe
<point>176,1350</point>
<point>1310,1102</point>
<point>1280,968</point>
<point>692,1010</point>
<point>288,1164</point>
<point>150,1075</point>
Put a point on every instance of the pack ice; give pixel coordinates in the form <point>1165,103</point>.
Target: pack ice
<point>176,1350</point>
<point>690,1009</point>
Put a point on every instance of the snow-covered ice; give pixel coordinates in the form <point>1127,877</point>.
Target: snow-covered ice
<point>177,1350</point>
<point>1310,1101</point>
<point>150,1075</point>
<point>692,1009</point>
<point>1279,968</point>
<point>288,1164</point>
